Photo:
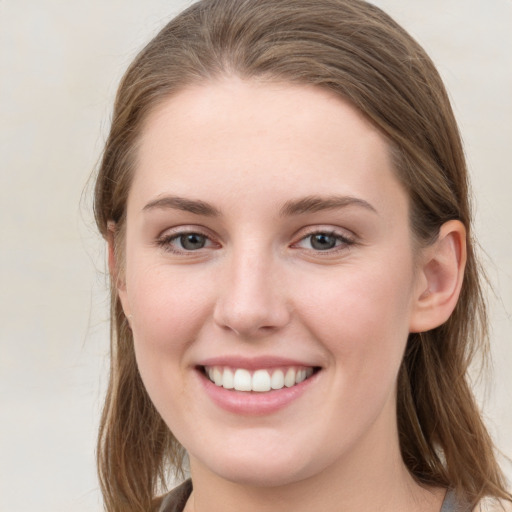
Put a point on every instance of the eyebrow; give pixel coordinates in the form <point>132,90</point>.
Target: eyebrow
<point>308,204</point>
<point>180,203</point>
<point>311,204</point>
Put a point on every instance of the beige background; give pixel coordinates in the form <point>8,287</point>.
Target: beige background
<point>59,65</point>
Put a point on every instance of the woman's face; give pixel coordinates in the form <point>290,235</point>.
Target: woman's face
<point>268,243</point>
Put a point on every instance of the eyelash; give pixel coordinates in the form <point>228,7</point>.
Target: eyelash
<point>342,241</point>
<point>166,241</point>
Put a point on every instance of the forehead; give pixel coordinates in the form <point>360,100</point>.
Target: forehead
<point>246,137</point>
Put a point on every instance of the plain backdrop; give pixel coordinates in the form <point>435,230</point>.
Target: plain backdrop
<point>60,61</point>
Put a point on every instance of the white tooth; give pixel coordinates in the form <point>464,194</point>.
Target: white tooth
<point>227,379</point>
<point>301,375</point>
<point>210,373</point>
<point>261,381</point>
<point>309,372</point>
<point>289,379</point>
<point>277,381</point>
<point>242,380</point>
<point>217,376</point>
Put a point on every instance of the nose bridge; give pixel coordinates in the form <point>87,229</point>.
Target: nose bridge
<point>251,297</point>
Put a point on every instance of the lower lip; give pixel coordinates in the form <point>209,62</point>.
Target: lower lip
<point>252,402</point>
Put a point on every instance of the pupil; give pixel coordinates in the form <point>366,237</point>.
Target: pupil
<point>323,242</point>
<point>192,241</point>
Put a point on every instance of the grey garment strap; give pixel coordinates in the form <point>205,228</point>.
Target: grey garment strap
<point>176,500</point>
<point>451,504</point>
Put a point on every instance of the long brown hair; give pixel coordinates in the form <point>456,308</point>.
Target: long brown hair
<point>354,49</point>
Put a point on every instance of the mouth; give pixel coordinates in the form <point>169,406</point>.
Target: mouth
<point>264,380</point>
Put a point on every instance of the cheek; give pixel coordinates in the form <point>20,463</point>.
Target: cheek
<point>169,310</point>
<point>362,316</point>
<point>164,302</point>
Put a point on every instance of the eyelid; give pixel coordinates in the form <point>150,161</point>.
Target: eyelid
<point>165,239</point>
<point>346,237</point>
<point>343,233</point>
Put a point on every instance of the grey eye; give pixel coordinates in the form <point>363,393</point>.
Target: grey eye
<point>323,241</point>
<point>192,241</point>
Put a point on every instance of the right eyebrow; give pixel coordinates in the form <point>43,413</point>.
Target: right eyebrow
<point>180,203</point>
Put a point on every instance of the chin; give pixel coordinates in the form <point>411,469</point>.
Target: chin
<point>263,475</point>
<point>262,468</point>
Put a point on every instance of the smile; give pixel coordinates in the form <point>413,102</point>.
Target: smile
<point>259,380</point>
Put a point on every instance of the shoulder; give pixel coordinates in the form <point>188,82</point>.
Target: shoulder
<point>176,500</point>
<point>493,505</point>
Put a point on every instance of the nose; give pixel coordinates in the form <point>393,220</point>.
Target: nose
<point>251,300</point>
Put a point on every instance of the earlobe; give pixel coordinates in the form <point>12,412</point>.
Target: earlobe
<point>441,277</point>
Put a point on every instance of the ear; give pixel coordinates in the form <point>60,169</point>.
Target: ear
<point>115,266</point>
<point>439,278</point>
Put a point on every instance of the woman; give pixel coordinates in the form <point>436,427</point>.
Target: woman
<point>295,294</point>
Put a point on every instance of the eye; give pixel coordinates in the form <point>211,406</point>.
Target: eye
<point>184,242</point>
<point>191,241</point>
<point>324,241</point>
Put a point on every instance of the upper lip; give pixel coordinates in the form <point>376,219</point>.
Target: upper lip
<point>253,363</point>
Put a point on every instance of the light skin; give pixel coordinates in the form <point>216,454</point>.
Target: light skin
<point>265,221</point>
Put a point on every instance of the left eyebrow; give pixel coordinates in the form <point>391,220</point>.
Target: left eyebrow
<point>311,204</point>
